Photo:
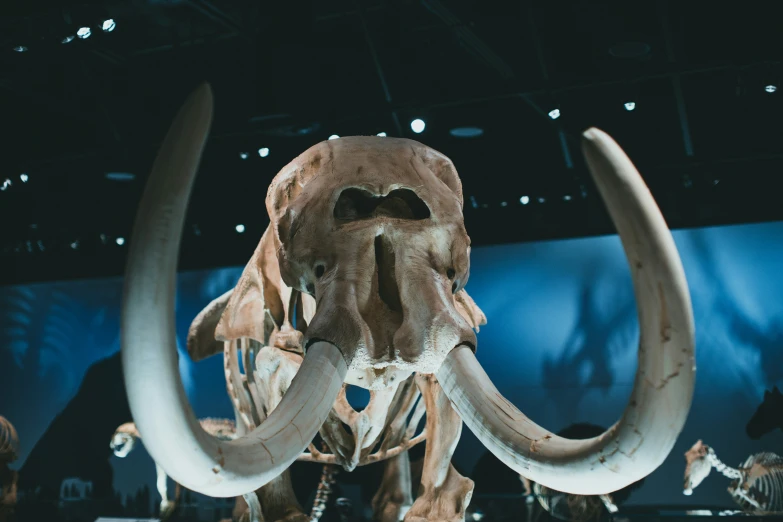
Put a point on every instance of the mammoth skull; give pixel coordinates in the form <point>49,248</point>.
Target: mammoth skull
<point>385,257</point>
<point>372,229</point>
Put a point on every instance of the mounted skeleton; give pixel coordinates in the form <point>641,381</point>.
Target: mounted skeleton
<point>757,485</point>
<point>372,229</point>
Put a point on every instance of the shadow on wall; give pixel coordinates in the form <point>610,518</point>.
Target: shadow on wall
<point>562,337</point>
<point>76,444</point>
<point>560,344</point>
<point>50,335</point>
<point>585,359</point>
<point>768,417</point>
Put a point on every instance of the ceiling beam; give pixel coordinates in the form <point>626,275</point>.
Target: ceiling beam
<point>379,71</point>
<point>468,39</point>
<point>682,113</point>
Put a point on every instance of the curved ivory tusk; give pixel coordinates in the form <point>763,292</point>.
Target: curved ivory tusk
<point>171,433</point>
<point>663,389</point>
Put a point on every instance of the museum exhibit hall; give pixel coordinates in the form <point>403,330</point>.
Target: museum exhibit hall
<point>391,261</point>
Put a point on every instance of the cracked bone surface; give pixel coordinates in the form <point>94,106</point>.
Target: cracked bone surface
<point>361,274</point>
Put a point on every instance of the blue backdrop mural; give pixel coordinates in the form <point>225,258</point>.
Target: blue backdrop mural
<point>560,343</point>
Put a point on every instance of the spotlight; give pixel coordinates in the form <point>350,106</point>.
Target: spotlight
<point>24,177</point>
<point>771,88</point>
<point>108,25</point>
<point>629,106</point>
<point>120,241</point>
<point>554,114</point>
<point>120,176</point>
<point>524,200</point>
<point>466,132</point>
<point>263,152</point>
<point>243,155</point>
<point>333,137</point>
<point>240,228</point>
<point>6,184</point>
<point>418,125</point>
<point>20,48</point>
<point>381,134</point>
<point>84,33</point>
<point>68,39</point>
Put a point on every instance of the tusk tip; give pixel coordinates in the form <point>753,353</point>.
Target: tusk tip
<point>201,96</point>
<point>593,134</point>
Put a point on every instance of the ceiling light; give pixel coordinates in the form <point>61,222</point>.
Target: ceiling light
<point>466,132</point>
<point>120,176</point>
<point>24,177</point>
<point>524,200</point>
<point>108,25</point>
<point>771,88</point>
<point>503,203</point>
<point>68,39</point>
<point>120,241</point>
<point>629,106</point>
<point>542,200</point>
<point>84,33</point>
<point>20,48</point>
<point>75,244</point>
<point>263,152</point>
<point>567,198</point>
<point>240,228</point>
<point>418,125</point>
<point>381,134</point>
<point>5,185</point>
<point>333,137</point>
<point>243,155</point>
<point>554,114</point>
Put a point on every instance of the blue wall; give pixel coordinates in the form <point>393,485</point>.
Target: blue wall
<point>560,343</point>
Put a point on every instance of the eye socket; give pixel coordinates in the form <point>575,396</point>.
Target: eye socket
<point>450,273</point>
<point>319,271</point>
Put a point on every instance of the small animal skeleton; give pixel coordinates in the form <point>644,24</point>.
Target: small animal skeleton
<point>757,485</point>
<point>126,435</point>
<point>564,506</point>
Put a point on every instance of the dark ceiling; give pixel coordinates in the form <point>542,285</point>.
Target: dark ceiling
<point>705,132</point>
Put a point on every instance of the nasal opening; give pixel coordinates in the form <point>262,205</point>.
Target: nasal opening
<point>385,264</point>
